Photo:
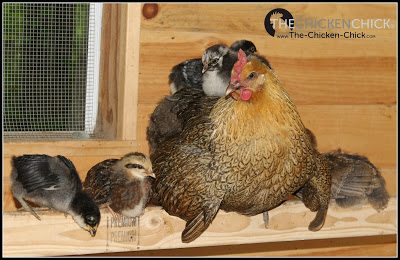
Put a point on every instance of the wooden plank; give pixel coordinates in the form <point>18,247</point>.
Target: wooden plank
<point>362,246</point>
<point>119,71</point>
<point>369,130</point>
<point>107,114</point>
<point>128,72</point>
<point>194,42</point>
<point>247,21</point>
<point>250,17</point>
<point>58,235</point>
<point>70,148</point>
<point>338,80</point>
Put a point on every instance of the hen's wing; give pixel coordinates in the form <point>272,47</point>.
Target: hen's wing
<point>187,183</point>
<point>188,187</point>
<point>172,113</point>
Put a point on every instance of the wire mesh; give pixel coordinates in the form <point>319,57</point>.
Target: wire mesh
<point>48,71</point>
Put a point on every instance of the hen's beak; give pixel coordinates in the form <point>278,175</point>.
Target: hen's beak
<point>231,90</point>
<point>205,68</point>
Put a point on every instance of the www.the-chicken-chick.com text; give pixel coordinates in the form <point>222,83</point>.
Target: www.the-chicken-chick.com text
<point>313,23</point>
<point>326,35</point>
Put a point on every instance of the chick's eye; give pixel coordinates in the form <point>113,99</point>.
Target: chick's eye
<point>214,61</point>
<point>252,49</point>
<point>90,219</point>
<point>252,75</point>
<point>134,166</point>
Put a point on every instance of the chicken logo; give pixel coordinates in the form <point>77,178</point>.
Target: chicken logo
<point>278,19</point>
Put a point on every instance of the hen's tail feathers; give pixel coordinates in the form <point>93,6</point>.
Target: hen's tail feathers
<point>356,180</point>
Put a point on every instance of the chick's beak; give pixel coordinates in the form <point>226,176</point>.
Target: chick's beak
<point>92,230</point>
<point>151,174</point>
<point>205,68</point>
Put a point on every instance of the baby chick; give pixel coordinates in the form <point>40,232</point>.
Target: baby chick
<point>53,182</point>
<point>123,185</point>
<point>189,74</point>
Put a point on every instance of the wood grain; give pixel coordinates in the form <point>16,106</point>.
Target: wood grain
<point>70,148</point>
<point>59,235</point>
<point>128,71</point>
<point>339,80</point>
<point>362,246</point>
<point>249,18</point>
<point>106,125</point>
<point>119,71</point>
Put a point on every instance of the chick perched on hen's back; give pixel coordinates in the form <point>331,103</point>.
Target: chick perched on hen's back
<point>191,73</point>
<point>123,185</point>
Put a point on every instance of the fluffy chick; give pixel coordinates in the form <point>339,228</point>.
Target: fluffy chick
<point>356,180</point>
<point>123,185</point>
<point>189,73</point>
<point>53,182</point>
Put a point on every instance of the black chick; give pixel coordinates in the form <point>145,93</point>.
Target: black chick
<point>189,73</point>
<point>247,46</point>
<point>356,180</point>
<point>53,182</point>
<point>123,185</point>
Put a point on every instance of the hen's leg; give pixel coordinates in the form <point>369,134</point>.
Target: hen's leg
<point>315,196</point>
<point>266,218</point>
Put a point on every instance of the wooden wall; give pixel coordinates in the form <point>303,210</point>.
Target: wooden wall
<point>345,89</point>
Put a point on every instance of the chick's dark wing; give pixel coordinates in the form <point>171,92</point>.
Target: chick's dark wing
<point>98,182</point>
<point>192,72</point>
<point>34,172</point>
<point>73,175</point>
<point>354,179</point>
<point>187,74</point>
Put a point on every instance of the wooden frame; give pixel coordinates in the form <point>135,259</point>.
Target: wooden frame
<point>121,122</point>
<point>119,71</point>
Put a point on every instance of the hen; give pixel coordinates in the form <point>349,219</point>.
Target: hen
<point>354,178</point>
<point>244,154</point>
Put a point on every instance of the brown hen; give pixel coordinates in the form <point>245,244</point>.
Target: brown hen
<point>244,154</point>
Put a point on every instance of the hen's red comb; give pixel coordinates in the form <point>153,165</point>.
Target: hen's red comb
<point>238,67</point>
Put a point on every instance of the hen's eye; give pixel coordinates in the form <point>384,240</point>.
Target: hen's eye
<point>134,166</point>
<point>252,75</point>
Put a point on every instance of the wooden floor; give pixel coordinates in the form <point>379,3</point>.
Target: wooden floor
<point>157,233</point>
